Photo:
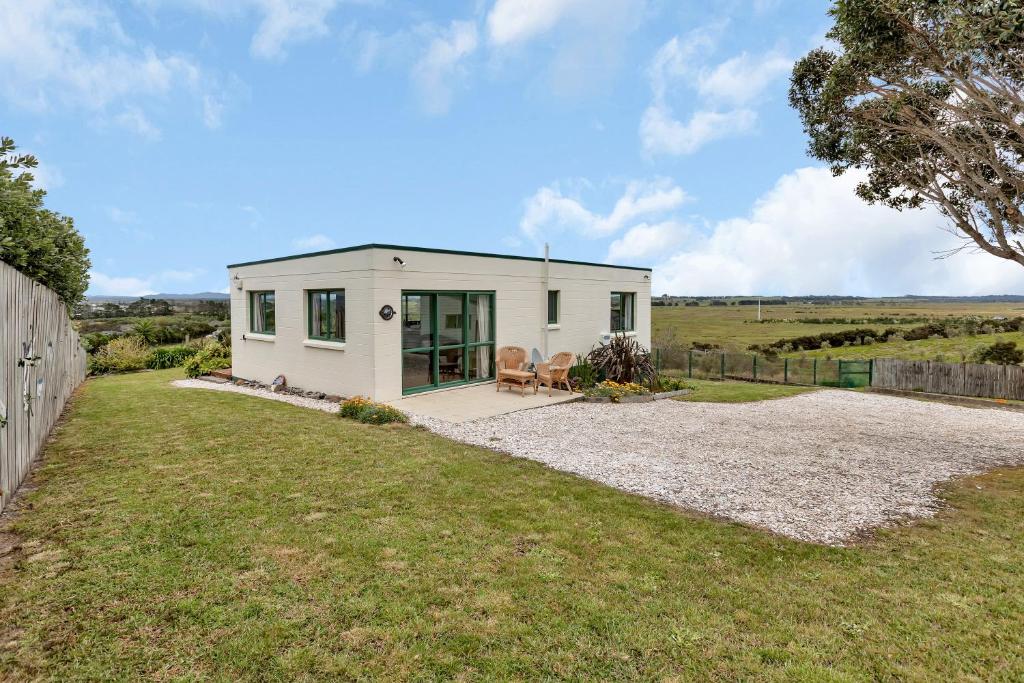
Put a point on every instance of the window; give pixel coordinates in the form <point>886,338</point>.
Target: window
<point>327,314</point>
<point>261,312</point>
<point>623,309</point>
<point>552,307</point>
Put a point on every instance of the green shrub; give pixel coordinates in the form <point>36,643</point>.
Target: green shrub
<point>582,375</point>
<point>379,414</point>
<point>666,383</point>
<point>212,356</point>
<point>170,357</point>
<point>1002,353</point>
<point>123,354</point>
<point>365,410</point>
<point>94,341</point>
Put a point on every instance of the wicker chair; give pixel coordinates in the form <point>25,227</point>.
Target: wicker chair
<point>555,372</point>
<point>509,363</point>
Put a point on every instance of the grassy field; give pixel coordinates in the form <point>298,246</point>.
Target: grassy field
<point>736,327</point>
<point>732,329</point>
<point>707,391</point>
<point>953,350</point>
<point>191,535</point>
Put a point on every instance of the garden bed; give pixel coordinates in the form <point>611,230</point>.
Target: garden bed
<point>637,398</point>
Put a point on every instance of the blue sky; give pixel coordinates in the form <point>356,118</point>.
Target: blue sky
<point>183,135</point>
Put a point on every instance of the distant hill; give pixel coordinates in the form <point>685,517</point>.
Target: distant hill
<point>199,296</point>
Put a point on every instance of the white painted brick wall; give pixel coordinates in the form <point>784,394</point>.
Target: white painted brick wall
<point>370,364</point>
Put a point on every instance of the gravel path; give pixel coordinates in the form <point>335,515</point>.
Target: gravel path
<point>821,467</point>
<point>326,406</point>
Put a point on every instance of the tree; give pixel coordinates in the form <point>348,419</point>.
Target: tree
<point>42,244</point>
<point>145,330</point>
<point>928,97</point>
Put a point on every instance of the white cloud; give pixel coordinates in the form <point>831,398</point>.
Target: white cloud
<point>549,211</point>
<point>314,242</point>
<point>289,21</point>
<point>726,93</point>
<point>743,78</point>
<point>76,53</point>
<point>810,234</point>
<point>645,242</point>
<point>135,120</point>
<point>213,111</point>
<point>677,59</point>
<point>113,285</point>
<point>587,41</point>
<point>440,69</point>
<point>661,133</point>
<point>515,21</point>
<point>102,284</point>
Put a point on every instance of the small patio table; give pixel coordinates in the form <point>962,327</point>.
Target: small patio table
<point>520,378</point>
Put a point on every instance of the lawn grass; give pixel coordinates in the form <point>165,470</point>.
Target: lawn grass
<point>202,535</point>
<point>708,391</point>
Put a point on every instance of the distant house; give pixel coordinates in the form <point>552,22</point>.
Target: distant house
<point>381,320</point>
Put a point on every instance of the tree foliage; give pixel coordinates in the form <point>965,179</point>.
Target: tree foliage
<point>42,244</point>
<point>928,97</point>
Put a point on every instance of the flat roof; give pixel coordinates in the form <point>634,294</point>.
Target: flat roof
<point>432,251</point>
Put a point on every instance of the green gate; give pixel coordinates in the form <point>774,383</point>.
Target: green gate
<point>855,373</point>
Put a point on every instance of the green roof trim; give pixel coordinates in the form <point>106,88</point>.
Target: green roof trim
<point>455,252</point>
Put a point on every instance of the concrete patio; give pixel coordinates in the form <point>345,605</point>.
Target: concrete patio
<point>461,404</point>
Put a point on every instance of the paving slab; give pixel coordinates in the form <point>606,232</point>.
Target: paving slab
<point>477,401</point>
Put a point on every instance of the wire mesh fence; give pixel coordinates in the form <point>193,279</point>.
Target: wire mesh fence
<point>752,367</point>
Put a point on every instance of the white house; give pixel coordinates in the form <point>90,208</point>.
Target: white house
<point>381,321</point>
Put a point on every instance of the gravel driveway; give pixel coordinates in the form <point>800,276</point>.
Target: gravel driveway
<point>819,467</point>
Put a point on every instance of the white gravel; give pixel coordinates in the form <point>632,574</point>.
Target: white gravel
<point>326,406</point>
<point>823,466</point>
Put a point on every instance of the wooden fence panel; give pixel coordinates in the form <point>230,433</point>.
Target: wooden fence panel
<point>41,364</point>
<point>956,379</point>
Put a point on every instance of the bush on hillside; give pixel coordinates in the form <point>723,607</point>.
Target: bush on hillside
<point>123,354</point>
<point>1000,353</point>
<point>170,357</point>
<point>212,356</point>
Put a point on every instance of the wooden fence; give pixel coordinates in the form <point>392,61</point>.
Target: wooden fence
<point>41,363</point>
<point>956,379</point>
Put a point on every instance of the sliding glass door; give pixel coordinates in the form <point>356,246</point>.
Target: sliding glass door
<point>447,339</point>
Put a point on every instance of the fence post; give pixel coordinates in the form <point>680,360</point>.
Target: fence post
<point>755,367</point>
<point>839,375</point>
<point>721,357</point>
<point>871,371</point>
<point>814,381</point>
<point>785,371</point>
<point>689,363</point>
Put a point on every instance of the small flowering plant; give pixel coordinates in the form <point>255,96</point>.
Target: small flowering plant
<point>365,410</point>
<point>615,391</point>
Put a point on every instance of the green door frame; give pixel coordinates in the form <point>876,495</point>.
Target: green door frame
<point>466,345</point>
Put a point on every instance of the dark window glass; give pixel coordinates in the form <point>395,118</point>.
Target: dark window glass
<point>553,307</point>
<point>261,312</point>
<point>623,307</point>
<point>327,315</point>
